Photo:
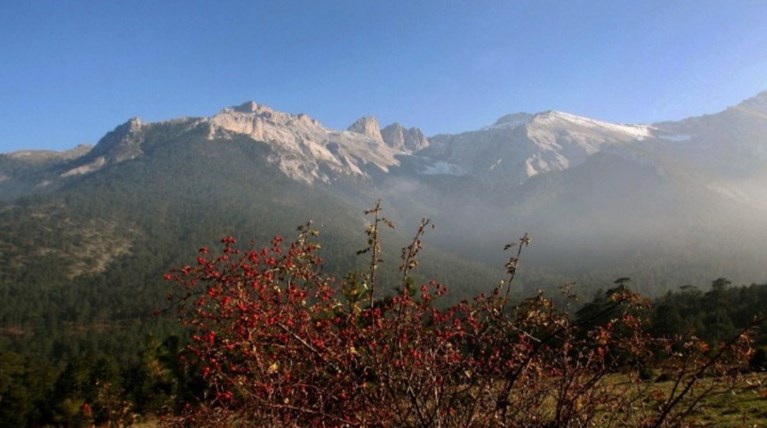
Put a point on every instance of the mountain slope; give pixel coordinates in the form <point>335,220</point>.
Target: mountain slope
<point>91,253</point>
<point>31,171</point>
<point>521,146</point>
<point>666,203</point>
<point>85,235</point>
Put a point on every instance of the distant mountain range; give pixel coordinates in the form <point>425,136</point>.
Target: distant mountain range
<point>667,203</point>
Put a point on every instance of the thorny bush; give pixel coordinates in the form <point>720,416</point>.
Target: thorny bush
<point>279,343</point>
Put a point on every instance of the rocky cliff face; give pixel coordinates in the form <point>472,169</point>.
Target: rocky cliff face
<point>124,143</point>
<point>264,124</point>
<point>405,140</point>
<point>512,150</point>
<point>305,150</point>
<point>367,126</point>
<point>624,191</point>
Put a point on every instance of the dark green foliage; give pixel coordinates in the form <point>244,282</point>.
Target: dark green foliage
<point>159,380</point>
<point>73,332</point>
<point>93,389</point>
<point>759,359</point>
<point>141,217</point>
<point>714,315</point>
<point>24,384</point>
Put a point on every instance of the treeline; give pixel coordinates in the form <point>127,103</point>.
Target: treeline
<point>92,389</point>
<point>92,385</point>
<point>713,315</point>
<point>141,217</point>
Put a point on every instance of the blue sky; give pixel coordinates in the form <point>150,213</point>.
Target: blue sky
<point>73,70</point>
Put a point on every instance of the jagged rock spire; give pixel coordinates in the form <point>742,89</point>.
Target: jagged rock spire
<point>367,125</point>
<point>402,139</point>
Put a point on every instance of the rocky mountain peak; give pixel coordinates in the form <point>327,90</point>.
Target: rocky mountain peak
<point>367,125</point>
<point>302,148</point>
<point>513,120</point>
<point>133,123</point>
<point>252,107</point>
<point>262,123</point>
<point>402,139</point>
<point>758,102</point>
<point>123,143</point>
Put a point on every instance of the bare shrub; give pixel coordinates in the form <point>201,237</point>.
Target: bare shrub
<point>279,343</point>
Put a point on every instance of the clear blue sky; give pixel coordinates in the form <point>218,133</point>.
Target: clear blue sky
<point>73,70</point>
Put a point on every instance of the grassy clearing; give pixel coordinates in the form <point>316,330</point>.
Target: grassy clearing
<point>745,406</point>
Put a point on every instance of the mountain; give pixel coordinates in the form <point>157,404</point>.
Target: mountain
<point>403,139</point>
<point>29,171</point>
<point>517,147</point>
<point>663,203</point>
<point>86,234</point>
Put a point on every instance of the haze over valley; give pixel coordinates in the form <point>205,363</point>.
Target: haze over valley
<point>345,213</point>
<point>666,204</point>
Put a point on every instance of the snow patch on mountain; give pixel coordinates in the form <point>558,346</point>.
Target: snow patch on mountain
<point>677,138</point>
<point>532,144</point>
<point>618,131</point>
<point>496,163</point>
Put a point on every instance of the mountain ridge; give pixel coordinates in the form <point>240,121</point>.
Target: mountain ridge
<point>758,101</point>
<point>549,173</point>
<point>309,152</point>
<point>86,235</point>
